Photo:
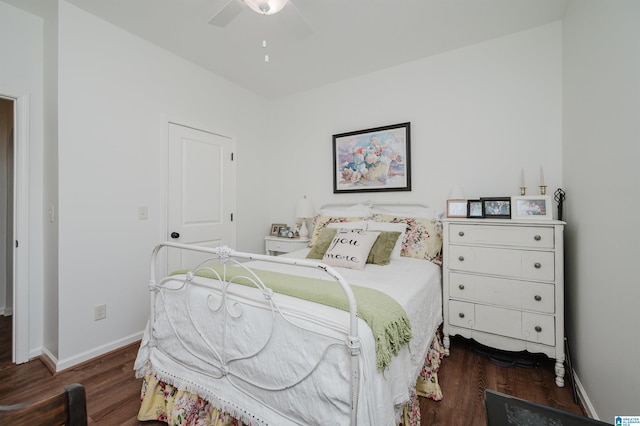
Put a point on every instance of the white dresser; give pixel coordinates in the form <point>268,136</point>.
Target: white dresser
<point>503,285</point>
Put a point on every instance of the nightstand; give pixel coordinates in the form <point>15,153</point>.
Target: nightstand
<point>275,245</point>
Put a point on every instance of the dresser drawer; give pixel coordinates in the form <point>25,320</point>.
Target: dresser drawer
<point>510,293</point>
<point>538,328</point>
<point>461,314</point>
<point>535,265</point>
<point>517,236</point>
<point>535,328</point>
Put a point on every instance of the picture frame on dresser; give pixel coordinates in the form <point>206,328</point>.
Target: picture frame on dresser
<point>283,232</point>
<point>474,209</point>
<point>457,208</point>
<point>532,207</point>
<point>496,207</point>
<point>275,229</point>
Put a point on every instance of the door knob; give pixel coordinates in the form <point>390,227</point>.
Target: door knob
<point>175,235</point>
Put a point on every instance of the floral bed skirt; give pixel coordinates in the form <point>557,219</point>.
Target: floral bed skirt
<point>165,403</point>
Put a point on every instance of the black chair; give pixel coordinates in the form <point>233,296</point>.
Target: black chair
<point>68,406</point>
<point>505,410</point>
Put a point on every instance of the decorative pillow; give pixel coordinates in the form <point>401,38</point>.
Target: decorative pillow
<point>423,238</point>
<point>380,253</point>
<point>386,226</point>
<point>322,243</point>
<point>320,222</point>
<point>350,248</point>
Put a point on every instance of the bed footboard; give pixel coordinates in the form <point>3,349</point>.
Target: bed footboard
<point>214,336</point>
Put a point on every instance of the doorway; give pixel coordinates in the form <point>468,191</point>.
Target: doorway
<point>7,119</point>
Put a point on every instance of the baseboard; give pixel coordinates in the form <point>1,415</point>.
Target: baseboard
<point>99,351</point>
<point>6,311</point>
<point>49,360</point>
<point>584,398</point>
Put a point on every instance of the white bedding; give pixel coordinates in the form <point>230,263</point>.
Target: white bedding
<point>181,358</point>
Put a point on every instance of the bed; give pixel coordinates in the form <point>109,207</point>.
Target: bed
<point>306,338</point>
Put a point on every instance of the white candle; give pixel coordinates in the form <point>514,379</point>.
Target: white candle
<point>541,177</point>
<point>522,178</point>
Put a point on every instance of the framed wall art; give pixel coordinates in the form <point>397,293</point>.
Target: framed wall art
<point>496,207</point>
<point>375,159</point>
<point>532,207</point>
<point>456,208</point>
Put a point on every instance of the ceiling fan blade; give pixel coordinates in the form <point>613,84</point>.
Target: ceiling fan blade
<point>295,22</point>
<point>227,13</point>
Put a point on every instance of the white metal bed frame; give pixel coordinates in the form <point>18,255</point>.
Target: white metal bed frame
<point>230,310</point>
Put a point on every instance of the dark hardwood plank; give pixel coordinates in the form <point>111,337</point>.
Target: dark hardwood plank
<point>464,376</point>
<point>113,393</point>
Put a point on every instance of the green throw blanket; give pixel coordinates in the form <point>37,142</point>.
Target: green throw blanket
<point>386,318</point>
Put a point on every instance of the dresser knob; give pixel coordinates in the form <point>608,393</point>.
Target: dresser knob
<point>537,238</point>
<point>461,233</point>
<point>461,258</point>
<point>538,297</point>
<point>461,286</point>
<point>538,328</point>
<point>537,265</point>
<point>461,314</point>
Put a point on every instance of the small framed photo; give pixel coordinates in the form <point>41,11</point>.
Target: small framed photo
<point>496,207</point>
<point>296,229</point>
<point>474,209</point>
<point>283,232</point>
<point>532,207</point>
<point>456,208</point>
<point>275,228</point>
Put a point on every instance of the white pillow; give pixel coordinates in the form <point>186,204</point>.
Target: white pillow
<point>387,226</point>
<point>356,210</point>
<point>350,248</point>
<point>362,225</point>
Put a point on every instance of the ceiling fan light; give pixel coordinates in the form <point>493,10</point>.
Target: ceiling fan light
<point>266,7</point>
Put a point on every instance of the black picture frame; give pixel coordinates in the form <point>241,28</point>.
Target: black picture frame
<point>474,209</point>
<point>496,207</point>
<point>377,159</point>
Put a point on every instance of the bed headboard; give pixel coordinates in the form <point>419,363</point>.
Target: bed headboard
<point>369,208</point>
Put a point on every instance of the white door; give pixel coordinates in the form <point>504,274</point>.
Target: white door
<point>200,193</point>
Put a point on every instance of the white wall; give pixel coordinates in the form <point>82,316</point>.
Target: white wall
<point>478,116</point>
<point>116,93</point>
<point>21,40</point>
<point>601,69</point>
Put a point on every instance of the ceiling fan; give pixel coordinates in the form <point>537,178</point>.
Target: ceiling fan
<point>293,19</point>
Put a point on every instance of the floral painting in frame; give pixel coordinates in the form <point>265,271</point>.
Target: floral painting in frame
<point>375,159</point>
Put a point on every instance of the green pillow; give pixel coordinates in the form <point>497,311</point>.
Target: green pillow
<point>380,253</point>
<point>322,243</point>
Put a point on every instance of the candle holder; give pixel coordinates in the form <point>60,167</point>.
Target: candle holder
<point>543,190</point>
<point>523,190</point>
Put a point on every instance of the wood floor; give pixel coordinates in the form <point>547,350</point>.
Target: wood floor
<point>113,392</point>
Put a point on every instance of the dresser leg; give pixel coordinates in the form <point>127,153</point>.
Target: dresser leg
<point>559,373</point>
<point>447,343</point>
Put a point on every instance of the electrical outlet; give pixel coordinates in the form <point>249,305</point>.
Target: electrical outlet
<point>143,213</point>
<point>99,312</point>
